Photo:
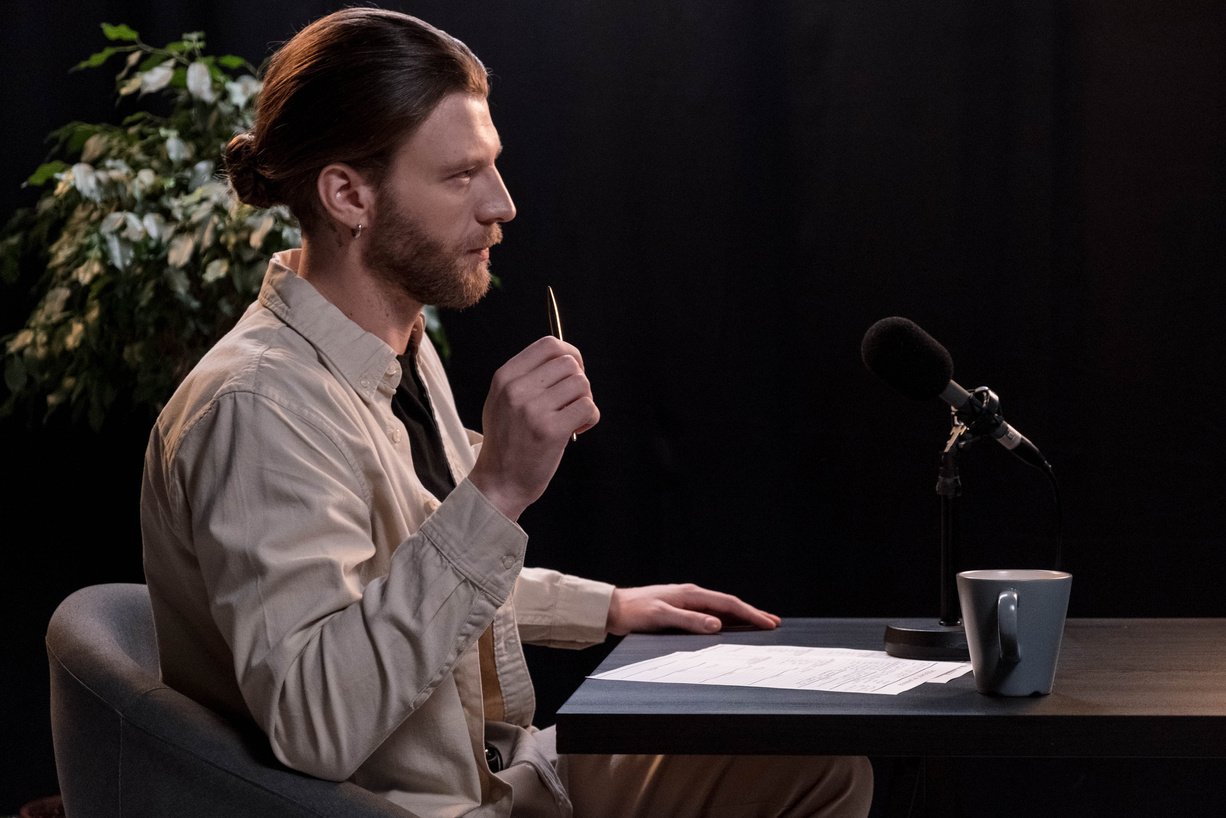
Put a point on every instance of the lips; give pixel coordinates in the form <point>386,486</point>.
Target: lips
<point>494,236</point>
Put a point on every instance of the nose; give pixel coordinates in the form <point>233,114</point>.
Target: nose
<point>497,206</point>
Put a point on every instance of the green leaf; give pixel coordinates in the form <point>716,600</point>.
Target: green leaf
<point>119,32</point>
<point>46,172</point>
<point>97,58</point>
<point>231,62</point>
<point>152,61</point>
<point>81,134</point>
<point>73,136</point>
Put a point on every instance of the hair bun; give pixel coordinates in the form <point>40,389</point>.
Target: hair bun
<point>250,185</point>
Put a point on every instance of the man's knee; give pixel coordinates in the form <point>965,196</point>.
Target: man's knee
<point>847,787</point>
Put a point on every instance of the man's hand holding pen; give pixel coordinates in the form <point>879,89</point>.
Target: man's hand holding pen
<point>537,401</point>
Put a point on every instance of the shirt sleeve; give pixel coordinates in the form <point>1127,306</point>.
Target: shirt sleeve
<point>560,610</point>
<point>333,645</point>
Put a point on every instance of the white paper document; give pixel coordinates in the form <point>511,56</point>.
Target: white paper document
<point>795,668</point>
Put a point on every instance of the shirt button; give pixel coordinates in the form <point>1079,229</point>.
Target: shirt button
<point>394,433</point>
<point>432,504</point>
<point>364,383</point>
<point>508,561</point>
<point>393,371</point>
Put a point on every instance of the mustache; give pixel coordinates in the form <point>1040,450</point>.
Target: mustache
<point>493,236</point>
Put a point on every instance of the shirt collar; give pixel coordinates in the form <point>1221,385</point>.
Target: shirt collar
<point>365,362</point>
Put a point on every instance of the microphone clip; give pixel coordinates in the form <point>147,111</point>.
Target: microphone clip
<point>980,414</point>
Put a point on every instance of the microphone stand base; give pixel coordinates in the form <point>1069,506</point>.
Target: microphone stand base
<point>926,639</point>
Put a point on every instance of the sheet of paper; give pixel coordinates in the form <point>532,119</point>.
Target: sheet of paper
<point>791,667</point>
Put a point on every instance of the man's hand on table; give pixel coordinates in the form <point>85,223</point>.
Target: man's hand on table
<point>685,607</point>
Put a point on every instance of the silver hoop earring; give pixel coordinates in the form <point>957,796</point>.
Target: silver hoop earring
<point>357,231</point>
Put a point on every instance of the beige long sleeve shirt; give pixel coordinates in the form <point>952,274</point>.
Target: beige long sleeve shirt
<point>301,575</point>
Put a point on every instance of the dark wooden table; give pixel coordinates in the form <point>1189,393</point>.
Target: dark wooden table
<point>1125,688</point>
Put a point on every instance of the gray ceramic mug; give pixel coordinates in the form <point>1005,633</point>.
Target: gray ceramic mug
<point>1014,621</point>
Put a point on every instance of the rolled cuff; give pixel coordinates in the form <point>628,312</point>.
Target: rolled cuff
<point>479,540</point>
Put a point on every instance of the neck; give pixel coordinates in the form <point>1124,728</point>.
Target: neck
<point>374,304</point>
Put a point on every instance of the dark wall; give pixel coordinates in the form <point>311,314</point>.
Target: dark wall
<point>725,195</point>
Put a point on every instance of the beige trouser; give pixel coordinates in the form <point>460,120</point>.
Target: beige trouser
<point>711,786</point>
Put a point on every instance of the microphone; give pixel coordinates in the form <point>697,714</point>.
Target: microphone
<point>910,360</point>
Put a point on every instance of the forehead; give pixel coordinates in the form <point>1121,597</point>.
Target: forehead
<point>458,131</point>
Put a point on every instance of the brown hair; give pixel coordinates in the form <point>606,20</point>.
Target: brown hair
<point>350,87</point>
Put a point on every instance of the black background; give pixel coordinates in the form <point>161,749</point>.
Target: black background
<point>725,196</point>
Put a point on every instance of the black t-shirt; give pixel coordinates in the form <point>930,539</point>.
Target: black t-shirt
<point>411,404</point>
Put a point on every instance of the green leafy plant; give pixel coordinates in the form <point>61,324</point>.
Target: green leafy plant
<point>136,254</point>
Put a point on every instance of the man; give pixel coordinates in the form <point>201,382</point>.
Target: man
<point>329,552</point>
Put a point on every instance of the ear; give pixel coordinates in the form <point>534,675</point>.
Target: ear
<point>347,197</point>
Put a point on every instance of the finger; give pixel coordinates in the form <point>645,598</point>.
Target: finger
<point>548,347</point>
<point>580,415</point>
<point>533,356</point>
<point>670,616</point>
<point>730,606</point>
<point>556,370</point>
<point>567,348</point>
<point>548,387</point>
<point>756,617</point>
<point>568,412</point>
<point>571,396</point>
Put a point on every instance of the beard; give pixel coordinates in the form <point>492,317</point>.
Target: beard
<point>403,256</point>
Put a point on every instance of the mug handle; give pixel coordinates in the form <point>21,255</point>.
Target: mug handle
<point>1006,625</point>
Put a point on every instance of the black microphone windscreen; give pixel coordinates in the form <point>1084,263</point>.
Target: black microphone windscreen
<point>907,358</point>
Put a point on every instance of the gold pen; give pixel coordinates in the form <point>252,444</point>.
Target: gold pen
<point>555,327</point>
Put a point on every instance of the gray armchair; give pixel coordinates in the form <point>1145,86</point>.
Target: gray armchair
<point>127,745</point>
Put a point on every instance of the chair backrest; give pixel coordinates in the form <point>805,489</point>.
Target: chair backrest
<point>127,745</point>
